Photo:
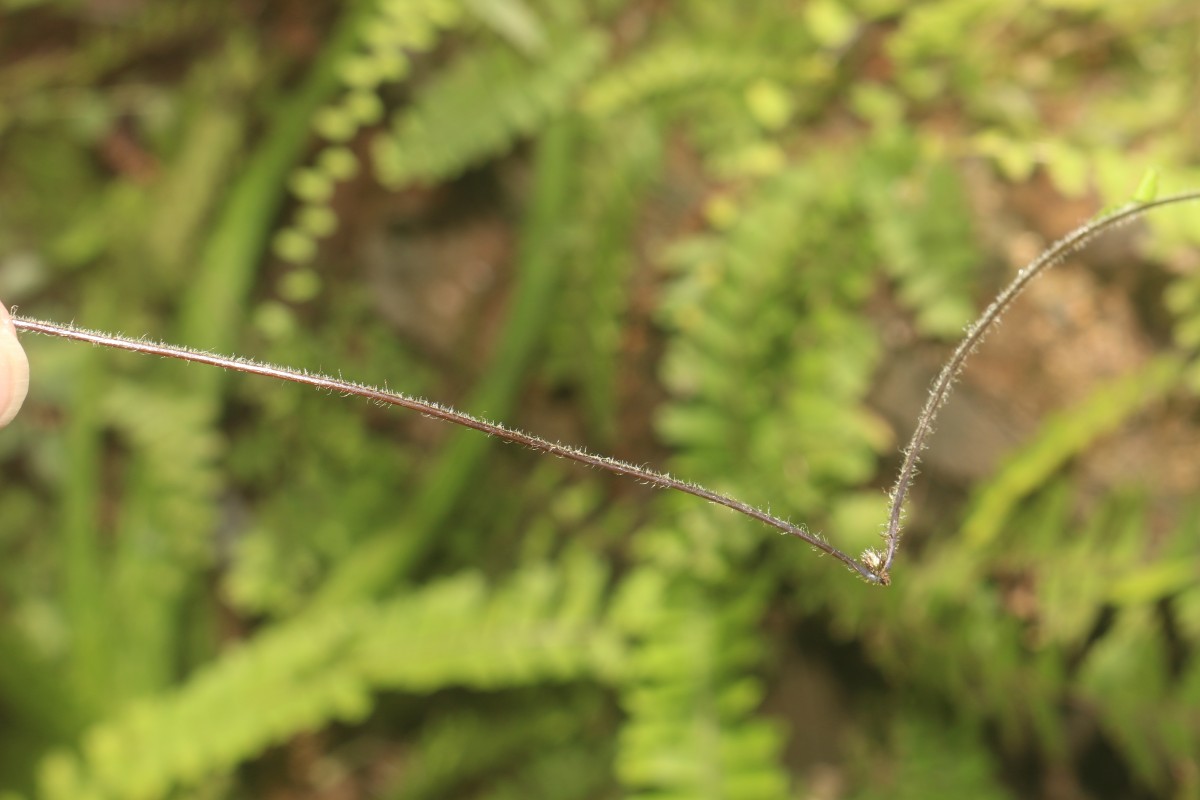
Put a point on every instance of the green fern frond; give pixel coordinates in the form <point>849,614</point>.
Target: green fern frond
<point>618,164</point>
<point>1082,566</point>
<point>671,69</point>
<point>1131,655</point>
<point>1016,621</point>
<point>1063,436</point>
<point>488,100</point>
<point>539,627</point>
<point>149,29</point>
<point>519,749</point>
<point>762,392</point>
<point>922,229</point>
<point>927,758</point>
<point>178,451</point>
<point>376,563</point>
<point>543,626</point>
<point>691,697</point>
<point>345,471</point>
<point>517,23</point>
<point>389,36</point>
<point>166,520</point>
<point>291,679</point>
<point>1154,727</point>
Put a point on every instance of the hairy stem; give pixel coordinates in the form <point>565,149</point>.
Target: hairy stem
<point>873,567</point>
<point>432,409</point>
<point>975,333</point>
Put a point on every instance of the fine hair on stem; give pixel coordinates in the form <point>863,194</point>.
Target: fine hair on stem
<point>872,565</point>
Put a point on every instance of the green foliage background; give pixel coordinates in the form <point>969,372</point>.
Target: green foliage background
<point>719,224</point>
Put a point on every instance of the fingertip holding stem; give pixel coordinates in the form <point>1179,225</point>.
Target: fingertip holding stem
<point>14,369</point>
